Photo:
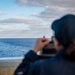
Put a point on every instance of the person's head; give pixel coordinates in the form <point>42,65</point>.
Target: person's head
<point>64,31</point>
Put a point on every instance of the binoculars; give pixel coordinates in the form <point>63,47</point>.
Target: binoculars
<point>49,50</point>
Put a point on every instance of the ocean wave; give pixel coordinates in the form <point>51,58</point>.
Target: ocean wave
<point>11,50</point>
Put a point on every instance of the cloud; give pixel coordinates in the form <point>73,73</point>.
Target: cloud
<point>29,21</point>
<point>36,33</point>
<point>53,8</point>
<point>64,3</point>
<point>52,13</point>
<point>29,2</point>
<point>2,13</point>
<point>18,20</point>
<point>21,2</point>
<point>17,28</point>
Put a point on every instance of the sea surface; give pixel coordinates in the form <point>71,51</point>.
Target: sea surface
<point>15,47</point>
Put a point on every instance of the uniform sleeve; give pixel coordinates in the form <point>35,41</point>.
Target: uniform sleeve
<point>28,64</point>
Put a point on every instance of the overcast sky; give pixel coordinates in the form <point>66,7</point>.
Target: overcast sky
<point>31,18</point>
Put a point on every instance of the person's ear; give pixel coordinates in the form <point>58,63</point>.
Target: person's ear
<point>58,46</point>
<point>56,42</point>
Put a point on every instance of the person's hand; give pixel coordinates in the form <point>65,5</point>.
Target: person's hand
<point>40,43</point>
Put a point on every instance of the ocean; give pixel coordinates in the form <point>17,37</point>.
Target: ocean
<point>15,47</point>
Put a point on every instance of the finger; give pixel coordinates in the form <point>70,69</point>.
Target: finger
<point>44,39</point>
<point>46,42</point>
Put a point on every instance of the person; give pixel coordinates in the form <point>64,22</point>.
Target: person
<point>63,63</point>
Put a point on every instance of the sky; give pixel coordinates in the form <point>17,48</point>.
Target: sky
<point>31,18</point>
